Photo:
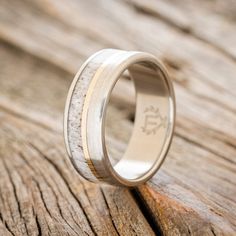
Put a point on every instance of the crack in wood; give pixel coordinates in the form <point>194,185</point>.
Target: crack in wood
<point>147,212</point>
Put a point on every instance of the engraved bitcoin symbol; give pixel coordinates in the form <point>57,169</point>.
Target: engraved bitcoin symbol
<point>153,120</point>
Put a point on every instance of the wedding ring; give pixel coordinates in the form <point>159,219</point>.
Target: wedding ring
<point>85,113</point>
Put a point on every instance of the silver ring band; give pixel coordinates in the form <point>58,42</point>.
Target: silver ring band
<point>85,112</point>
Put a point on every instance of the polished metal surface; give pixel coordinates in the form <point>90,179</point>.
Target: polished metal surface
<point>85,112</point>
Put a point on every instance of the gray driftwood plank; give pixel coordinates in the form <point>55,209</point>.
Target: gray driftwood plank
<point>43,43</point>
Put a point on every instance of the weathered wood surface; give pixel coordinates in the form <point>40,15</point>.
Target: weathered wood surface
<point>43,43</point>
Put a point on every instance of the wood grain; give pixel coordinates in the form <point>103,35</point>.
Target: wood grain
<point>43,43</point>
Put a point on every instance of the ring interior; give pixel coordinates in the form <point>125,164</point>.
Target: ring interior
<point>152,122</point>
